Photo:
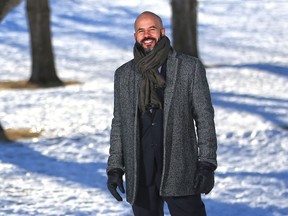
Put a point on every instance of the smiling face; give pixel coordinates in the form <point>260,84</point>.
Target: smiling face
<point>148,30</point>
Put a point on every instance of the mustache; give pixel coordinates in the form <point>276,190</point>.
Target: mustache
<point>148,38</point>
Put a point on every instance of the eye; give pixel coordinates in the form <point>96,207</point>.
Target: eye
<point>140,31</point>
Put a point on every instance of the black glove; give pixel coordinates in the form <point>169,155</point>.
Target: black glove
<point>204,179</point>
<point>114,181</point>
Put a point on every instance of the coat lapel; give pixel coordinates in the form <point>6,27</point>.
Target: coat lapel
<point>137,77</point>
<point>171,74</point>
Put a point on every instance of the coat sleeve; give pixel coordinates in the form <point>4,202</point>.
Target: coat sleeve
<point>203,114</point>
<point>115,159</point>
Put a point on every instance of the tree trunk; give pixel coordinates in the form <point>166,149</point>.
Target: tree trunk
<point>184,26</point>
<point>3,136</point>
<point>43,66</point>
<point>6,6</point>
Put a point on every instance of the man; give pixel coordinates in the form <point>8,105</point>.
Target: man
<point>163,134</point>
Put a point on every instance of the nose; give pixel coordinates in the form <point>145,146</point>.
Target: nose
<point>146,33</point>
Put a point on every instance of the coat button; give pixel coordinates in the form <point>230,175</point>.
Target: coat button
<point>153,123</point>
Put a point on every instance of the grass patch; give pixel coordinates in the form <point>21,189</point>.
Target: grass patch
<point>20,134</point>
<point>23,133</point>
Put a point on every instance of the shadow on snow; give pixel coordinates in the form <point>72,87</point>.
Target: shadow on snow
<point>30,160</point>
<point>266,111</point>
<point>214,207</point>
<point>88,174</point>
<point>266,67</point>
<point>270,68</point>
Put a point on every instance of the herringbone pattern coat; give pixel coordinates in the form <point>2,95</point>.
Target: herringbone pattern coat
<point>189,130</point>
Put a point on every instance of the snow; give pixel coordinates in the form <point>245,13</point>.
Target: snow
<point>243,44</point>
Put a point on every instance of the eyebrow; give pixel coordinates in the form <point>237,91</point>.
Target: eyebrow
<point>150,27</point>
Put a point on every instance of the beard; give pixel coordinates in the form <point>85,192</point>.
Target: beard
<point>148,49</point>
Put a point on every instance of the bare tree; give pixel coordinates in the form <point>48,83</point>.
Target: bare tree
<point>6,6</point>
<point>184,26</point>
<point>3,136</point>
<point>43,65</point>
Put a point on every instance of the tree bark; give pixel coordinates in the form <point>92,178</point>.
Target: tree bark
<point>3,136</point>
<point>184,26</point>
<point>6,6</point>
<point>43,65</point>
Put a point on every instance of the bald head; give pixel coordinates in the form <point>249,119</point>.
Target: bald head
<point>148,15</point>
<point>148,30</point>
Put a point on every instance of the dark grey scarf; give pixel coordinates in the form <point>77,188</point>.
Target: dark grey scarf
<point>148,65</point>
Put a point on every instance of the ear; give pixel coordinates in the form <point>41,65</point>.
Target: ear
<point>135,36</point>
<point>163,31</point>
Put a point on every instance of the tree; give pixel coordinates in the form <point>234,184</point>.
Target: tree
<point>184,26</point>
<point>2,134</point>
<point>6,6</point>
<point>43,65</point>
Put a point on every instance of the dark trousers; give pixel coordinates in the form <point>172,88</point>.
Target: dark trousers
<point>149,203</point>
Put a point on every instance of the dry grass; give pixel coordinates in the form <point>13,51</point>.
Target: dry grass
<point>24,133</point>
<point>21,133</point>
<point>23,84</point>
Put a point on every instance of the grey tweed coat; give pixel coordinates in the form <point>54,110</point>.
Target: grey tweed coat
<point>189,130</point>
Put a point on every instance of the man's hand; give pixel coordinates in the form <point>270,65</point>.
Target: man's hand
<point>204,179</point>
<point>114,181</point>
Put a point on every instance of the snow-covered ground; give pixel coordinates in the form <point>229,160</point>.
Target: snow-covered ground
<point>244,45</point>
